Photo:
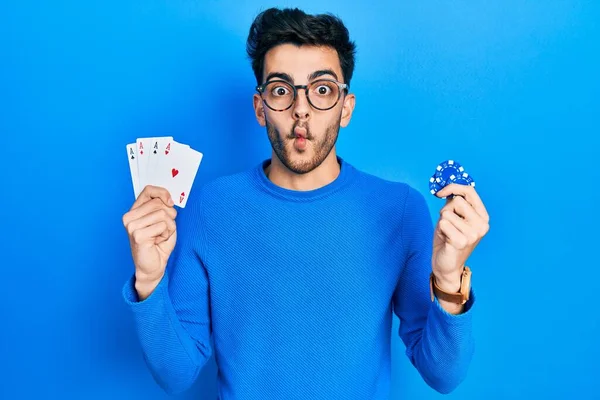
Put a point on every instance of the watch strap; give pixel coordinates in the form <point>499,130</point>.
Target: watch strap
<point>460,297</point>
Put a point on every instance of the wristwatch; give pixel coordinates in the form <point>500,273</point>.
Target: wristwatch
<point>459,298</point>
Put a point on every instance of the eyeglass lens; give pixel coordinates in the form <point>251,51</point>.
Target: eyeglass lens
<point>322,94</point>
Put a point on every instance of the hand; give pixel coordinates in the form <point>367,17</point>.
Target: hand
<point>150,224</point>
<point>463,222</point>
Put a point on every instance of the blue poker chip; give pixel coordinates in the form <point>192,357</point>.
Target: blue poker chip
<point>448,171</point>
<point>463,179</point>
<point>434,187</point>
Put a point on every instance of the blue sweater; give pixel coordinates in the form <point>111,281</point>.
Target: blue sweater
<point>297,289</point>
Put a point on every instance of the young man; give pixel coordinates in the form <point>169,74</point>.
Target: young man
<point>296,266</point>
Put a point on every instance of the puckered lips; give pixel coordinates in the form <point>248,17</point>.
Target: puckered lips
<point>300,140</point>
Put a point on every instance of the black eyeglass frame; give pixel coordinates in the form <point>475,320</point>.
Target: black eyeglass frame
<point>342,86</point>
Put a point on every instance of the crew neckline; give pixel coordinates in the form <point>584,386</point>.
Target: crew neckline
<point>347,172</point>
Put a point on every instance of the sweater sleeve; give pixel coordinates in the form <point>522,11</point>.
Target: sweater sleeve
<point>439,344</point>
<point>173,323</point>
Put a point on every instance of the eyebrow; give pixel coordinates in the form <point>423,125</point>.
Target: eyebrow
<point>314,75</point>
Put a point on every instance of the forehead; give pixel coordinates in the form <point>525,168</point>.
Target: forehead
<point>299,62</point>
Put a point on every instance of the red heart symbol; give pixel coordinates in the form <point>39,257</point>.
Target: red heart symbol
<point>166,152</point>
<point>174,172</point>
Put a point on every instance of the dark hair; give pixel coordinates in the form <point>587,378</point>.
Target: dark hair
<point>275,26</point>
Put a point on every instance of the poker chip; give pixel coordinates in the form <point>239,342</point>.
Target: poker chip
<point>447,172</point>
<point>434,187</point>
<point>463,179</point>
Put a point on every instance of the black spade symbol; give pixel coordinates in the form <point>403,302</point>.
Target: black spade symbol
<point>154,151</point>
<point>133,157</point>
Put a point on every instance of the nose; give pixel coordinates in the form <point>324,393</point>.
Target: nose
<point>301,105</point>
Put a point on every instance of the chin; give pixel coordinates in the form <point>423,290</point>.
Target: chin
<point>302,164</point>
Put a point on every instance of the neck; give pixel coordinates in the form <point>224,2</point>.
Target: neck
<point>321,176</point>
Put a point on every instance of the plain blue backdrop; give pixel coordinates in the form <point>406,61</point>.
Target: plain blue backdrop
<point>508,88</point>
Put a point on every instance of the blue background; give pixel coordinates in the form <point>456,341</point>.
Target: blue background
<point>508,88</point>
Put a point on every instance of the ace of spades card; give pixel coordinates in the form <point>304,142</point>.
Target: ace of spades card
<point>157,148</point>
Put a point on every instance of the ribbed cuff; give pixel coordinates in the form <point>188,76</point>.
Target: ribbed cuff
<point>464,317</point>
<point>133,301</point>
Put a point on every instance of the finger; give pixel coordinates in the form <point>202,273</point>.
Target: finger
<point>148,220</point>
<point>148,233</point>
<point>151,192</point>
<point>147,208</point>
<point>469,194</point>
<point>459,223</point>
<point>477,226</point>
<point>461,207</point>
<point>469,231</point>
<point>167,233</point>
<point>453,236</point>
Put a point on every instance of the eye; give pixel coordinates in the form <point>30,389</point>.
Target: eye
<point>280,91</point>
<point>323,89</point>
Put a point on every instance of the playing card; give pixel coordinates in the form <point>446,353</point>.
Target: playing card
<point>157,151</point>
<point>143,150</point>
<point>177,170</point>
<point>161,161</point>
<point>133,168</point>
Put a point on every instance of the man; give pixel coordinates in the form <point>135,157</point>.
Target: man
<point>296,266</point>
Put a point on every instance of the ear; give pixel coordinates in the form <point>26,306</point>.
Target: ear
<point>259,109</point>
<point>347,109</point>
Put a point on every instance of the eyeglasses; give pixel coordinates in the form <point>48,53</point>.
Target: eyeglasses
<point>322,94</point>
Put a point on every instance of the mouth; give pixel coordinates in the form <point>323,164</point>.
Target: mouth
<point>300,133</point>
<point>300,139</point>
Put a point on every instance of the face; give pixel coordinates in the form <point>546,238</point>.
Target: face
<point>300,66</point>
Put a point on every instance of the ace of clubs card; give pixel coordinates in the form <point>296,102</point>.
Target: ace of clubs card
<point>133,167</point>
